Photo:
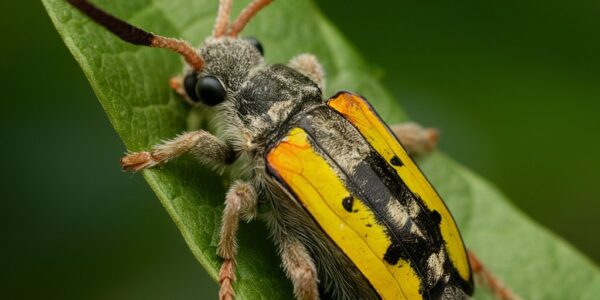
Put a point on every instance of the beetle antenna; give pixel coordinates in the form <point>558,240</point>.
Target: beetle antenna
<point>222,21</point>
<point>242,20</point>
<point>137,36</point>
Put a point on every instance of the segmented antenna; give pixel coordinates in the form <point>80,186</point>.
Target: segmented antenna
<point>222,21</point>
<point>137,36</point>
<point>242,20</point>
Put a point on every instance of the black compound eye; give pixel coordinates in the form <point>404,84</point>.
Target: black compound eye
<point>256,45</point>
<point>210,90</point>
<point>189,84</point>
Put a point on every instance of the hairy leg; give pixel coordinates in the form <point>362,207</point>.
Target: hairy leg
<point>309,66</point>
<point>240,201</point>
<point>207,148</point>
<point>500,291</point>
<point>416,139</point>
<point>300,268</point>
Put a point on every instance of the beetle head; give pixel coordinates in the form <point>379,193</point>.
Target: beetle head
<point>227,63</point>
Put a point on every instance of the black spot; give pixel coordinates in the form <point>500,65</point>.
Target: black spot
<point>356,210</point>
<point>369,225</point>
<point>436,217</point>
<point>396,161</point>
<point>392,254</point>
<point>347,203</point>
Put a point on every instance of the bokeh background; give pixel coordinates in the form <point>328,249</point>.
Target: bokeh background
<point>514,87</point>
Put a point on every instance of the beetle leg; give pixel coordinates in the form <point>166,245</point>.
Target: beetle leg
<point>309,66</point>
<point>500,291</point>
<point>240,201</point>
<point>300,268</point>
<point>416,139</point>
<point>207,148</point>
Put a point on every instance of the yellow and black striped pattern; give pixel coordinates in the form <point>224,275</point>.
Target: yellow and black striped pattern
<point>358,111</point>
<point>320,190</point>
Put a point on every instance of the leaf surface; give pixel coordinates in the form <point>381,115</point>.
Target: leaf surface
<point>131,84</point>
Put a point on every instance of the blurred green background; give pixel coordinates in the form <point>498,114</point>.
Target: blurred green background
<point>514,87</point>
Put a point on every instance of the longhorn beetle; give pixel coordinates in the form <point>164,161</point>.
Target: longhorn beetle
<point>352,215</point>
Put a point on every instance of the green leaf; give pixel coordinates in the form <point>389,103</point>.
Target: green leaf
<point>131,84</point>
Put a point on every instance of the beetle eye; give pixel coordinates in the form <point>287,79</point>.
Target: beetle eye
<point>256,45</point>
<point>189,84</point>
<point>210,90</point>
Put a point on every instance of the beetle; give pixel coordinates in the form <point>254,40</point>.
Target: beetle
<point>351,214</point>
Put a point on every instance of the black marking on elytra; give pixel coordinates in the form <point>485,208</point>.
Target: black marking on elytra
<point>120,28</point>
<point>409,246</point>
<point>393,254</point>
<point>369,225</point>
<point>347,203</point>
<point>376,183</point>
<point>436,218</point>
<point>396,161</point>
